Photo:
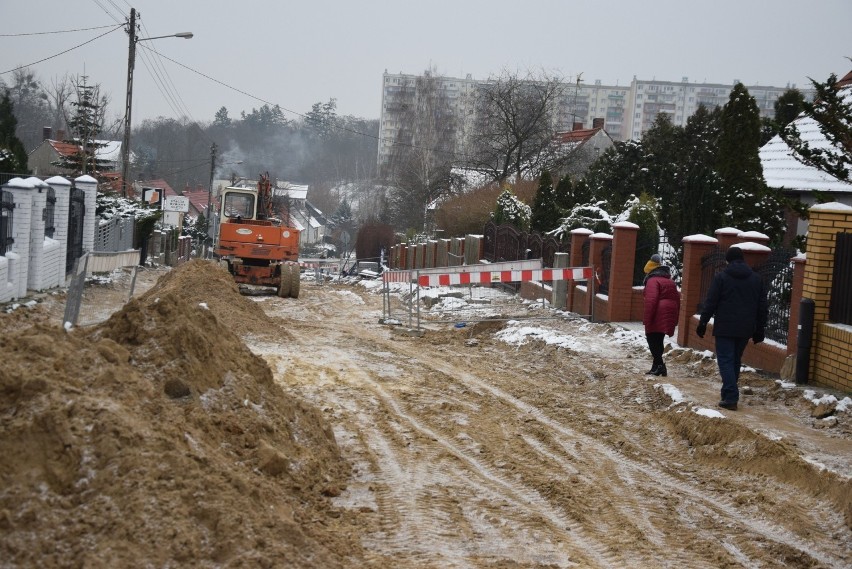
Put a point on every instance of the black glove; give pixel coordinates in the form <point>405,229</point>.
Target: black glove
<point>758,337</point>
<point>701,329</point>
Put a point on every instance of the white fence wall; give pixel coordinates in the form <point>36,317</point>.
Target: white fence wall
<point>35,261</point>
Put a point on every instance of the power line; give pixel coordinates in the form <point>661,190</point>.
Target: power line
<point>53,32</point>
<point>62,52</point>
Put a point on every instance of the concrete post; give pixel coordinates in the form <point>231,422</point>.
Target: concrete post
<point>560,288</point>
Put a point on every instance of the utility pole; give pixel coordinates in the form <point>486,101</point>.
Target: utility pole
<point>208,213</point>
<point>131,63</point>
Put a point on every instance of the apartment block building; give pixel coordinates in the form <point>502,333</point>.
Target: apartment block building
<point>680,100</point>
<point>626,111</point>
<point>399,90</point>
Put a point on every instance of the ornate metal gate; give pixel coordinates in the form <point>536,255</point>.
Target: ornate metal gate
<point>76,216</point>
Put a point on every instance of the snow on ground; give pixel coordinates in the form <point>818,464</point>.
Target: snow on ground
<point>516,332</point>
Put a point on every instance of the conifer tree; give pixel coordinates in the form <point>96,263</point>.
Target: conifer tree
<point>545,211</point>
<point>693,206</point>
<point>511,210</point>
<point>13,155</point>
<point>84,127</point>
<point>745,202</point>
<point>643,212</point>
<point>832,110</point>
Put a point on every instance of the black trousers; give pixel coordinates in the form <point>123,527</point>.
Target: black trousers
<point>655,344</point>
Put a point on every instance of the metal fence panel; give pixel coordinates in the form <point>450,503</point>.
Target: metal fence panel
<point>840,310</point>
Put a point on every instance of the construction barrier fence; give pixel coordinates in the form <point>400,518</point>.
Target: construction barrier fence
<point>518,290</point>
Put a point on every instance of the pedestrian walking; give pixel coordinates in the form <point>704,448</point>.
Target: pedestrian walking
<point>737,304</point>
<point>662,306</point>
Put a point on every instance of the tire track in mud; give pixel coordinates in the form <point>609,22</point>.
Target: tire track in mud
<point>627,526</point>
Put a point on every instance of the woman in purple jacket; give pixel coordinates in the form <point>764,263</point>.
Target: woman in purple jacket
<point>662,306</point>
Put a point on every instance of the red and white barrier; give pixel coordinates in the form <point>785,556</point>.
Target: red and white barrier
<point>397,276</point>
<point>487,277</point>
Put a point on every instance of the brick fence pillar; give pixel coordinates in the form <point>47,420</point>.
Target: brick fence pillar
<point>795,301</point>
<point>621,271</point>
<point>694,247</point>
<point>830,358</point>
<point>579,237</point>
<point>754,254</point>
<point>727,236</point>
<point>598,242</point>
<point>753,237</point>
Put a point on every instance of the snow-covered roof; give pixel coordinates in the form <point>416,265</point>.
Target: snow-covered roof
<point>473,178</point>
<point>111,149</point>
<point>293,191</point>
<point>782,170</point>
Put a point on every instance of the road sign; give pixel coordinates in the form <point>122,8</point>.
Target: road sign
<point>176,203</point>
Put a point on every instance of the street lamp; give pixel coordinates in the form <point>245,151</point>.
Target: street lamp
<point>131,64</point>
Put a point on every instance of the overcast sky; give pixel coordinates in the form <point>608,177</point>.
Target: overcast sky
<point>295,54</point>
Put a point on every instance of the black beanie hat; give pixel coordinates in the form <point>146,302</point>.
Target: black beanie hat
<point>734,254</point>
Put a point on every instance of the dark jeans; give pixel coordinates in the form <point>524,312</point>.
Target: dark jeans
<point>655,344</point>
<point>729,354</point>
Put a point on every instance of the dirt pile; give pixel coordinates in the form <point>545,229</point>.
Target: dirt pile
<point>158,439</point>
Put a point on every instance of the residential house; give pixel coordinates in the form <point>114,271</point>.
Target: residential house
<point>783,171</point>
<point>305,217</point>
<point>42,159</point>
<point>581,147</point>
<point>198,198</point>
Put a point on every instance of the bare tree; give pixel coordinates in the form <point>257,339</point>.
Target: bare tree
<point>423,154</point>
<point>60,93</point>
<point>31,107</point>
<point>515,119</point>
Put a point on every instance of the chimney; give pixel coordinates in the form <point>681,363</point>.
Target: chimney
<point>60,134</point>
<point>46,133</point>
<point>598,123</point>
<point>578,126</point>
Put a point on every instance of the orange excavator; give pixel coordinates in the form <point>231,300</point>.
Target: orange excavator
<point>257,241</point>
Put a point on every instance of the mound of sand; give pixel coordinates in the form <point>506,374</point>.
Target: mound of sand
<point>158,439</point>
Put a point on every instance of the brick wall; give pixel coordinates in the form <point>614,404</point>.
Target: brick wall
<point>831,346</point>
<point>832,357</point>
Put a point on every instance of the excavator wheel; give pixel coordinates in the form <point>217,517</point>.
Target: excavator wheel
<point>295,279</point>
<point>284,284</point>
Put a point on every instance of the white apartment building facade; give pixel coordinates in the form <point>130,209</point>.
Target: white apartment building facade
<point>626,111</point>
<point>400,87</point>
<point>680,100</point>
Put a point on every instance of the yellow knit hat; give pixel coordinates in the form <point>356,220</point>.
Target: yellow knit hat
<point>652,263</point>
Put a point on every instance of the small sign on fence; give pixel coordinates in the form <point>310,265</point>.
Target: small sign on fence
<point>176,203</point>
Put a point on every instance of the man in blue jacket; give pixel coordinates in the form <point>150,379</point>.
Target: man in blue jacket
<point>737,303</point>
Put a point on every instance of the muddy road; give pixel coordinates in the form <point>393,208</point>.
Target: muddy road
<point>194,426</point>
<point>469,451</point>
